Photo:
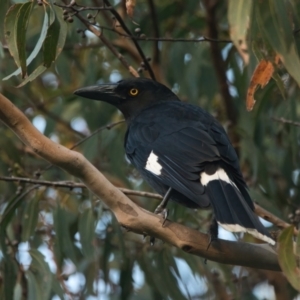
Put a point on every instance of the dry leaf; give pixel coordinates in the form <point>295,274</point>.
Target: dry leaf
<point>261,76</point>
<point>130,4</point>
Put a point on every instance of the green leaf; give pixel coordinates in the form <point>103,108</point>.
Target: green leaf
<point>20,34</point>
<point>239,16</point>
<point>38,71</point>
<point>4,6</point>
<point>37,47</point>
<point>53,43</point>
<point>273,20</point>
<point>64,245</point>
<point>39,276</point>
<point>10,33</point>
<point>56,287</point>
<point>87,232</point>
<point>287,258</point>
<point>18,292</point>
<point>298,245</point>
<point>55,39</point>
<point>9,280</point>
<point>30,217</point>
<point>12,206</point>
<point>34,291</point>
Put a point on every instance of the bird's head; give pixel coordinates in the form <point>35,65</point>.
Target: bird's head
<point>130,96</point>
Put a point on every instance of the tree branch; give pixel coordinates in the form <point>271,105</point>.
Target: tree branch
<point>285,121</point>
<point>71,185</point>
<point>109,45</point>
<point>217,60</point>
<point>156,56</point>
<point>128,213</point>
<point>139,49</point>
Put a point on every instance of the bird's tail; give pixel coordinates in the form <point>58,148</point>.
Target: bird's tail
<point>231,209</point>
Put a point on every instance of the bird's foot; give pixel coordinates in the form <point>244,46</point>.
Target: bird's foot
<point>162,211</point>
<point>213,234</point>
<point>212,238</point>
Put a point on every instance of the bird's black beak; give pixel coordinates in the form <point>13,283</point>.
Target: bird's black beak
<point>103,92</point>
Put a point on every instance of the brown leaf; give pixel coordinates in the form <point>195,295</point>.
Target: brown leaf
<point>261,76</point>
<point>130,4</point>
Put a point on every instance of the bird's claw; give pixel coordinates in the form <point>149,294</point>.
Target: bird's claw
<point>212,238</point>
<point>161,211</point>
<point>164,212</point>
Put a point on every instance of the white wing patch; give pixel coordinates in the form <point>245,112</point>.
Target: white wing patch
<point>252,231</point>
<point>152,164</point>
<point>220,174</point>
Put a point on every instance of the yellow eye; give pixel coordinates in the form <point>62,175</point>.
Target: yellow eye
<point>133,92</point>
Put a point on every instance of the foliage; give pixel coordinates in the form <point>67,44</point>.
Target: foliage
<point>64,241</point>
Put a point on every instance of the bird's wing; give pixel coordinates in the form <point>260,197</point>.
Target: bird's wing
<point>175,152</point>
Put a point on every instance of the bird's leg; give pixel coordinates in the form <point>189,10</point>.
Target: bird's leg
<point>213,234</point>
<point>161,208</point>
<point>213,231</point>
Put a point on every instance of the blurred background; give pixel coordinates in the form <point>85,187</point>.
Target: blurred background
<point>62,242</point>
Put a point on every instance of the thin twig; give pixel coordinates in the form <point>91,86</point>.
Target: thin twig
<point>71,185</point>
<point>107,126</point>
<point>220,69</point>
<point>218,62</point>
<point>285,121</point>
<point>156,30</point>
<point>263,213</point>
<point>164,39</point>
<point>83,8</point>
<point>139,49</point>
<point>42,108</point>
<point>108,44</point>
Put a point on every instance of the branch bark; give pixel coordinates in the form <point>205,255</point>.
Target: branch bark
<point>128,213</point>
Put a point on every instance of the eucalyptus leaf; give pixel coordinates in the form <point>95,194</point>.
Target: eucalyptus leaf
<point>18,292</point>
<point>4,5</point>
<point>30,217</point>
<point>239,12</point>
<point>63,240</point>
<point>22,20</point>
<point>36,49</point>
<point>38,71</point>
<point>10,31</point>
<point>87,232</point>
<point>298,245</point>
<point>274,23</point>
<point>41,273</point>
<point>287,259</point>
<point>10,269</point>
<point>55,39</point>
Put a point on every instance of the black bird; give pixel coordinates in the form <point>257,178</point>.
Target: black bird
<point>182,151</point>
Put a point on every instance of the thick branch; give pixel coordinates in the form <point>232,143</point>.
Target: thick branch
<point>129,214</point>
